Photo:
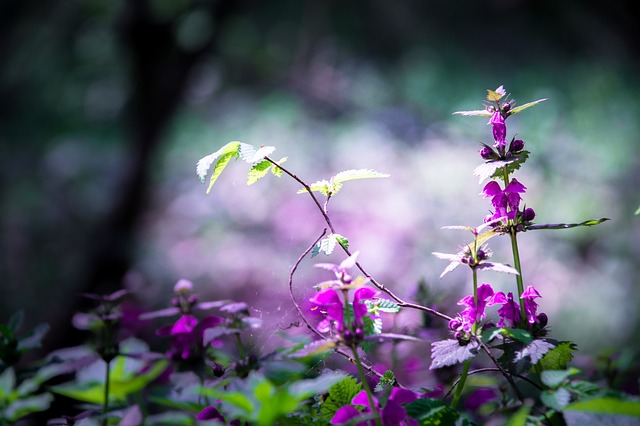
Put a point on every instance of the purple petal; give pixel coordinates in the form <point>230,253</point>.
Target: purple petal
<point>491,189</point>
<point>344,415</point>
<point>209,413</point>
<point>393,413</point>
<point>359,308</point>
<point>530,293</point>
<point>185,324</point>
<point>362,399</point>
<point>403,396</point>
<point>515,186</point>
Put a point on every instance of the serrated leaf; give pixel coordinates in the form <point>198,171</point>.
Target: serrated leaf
<point>386,305</point>
<point>557,358</point>
<point>258,171</point>
<point>534,351</point>
<point>357,174</point>
<point>449,352</point>
<point>554,378</point>
<point>556,399</point>
<point>371,326</point>
<point>477,113</point>
<point>251,155</point>
<point>340,394</point>
<point>498,267</point>
<point>343,241</point>
<point>318,347</point>
<point>607,405</point>
<point>205,163</point>
<point>495,96</point>
<point>521,108</point>
<point>387,380</point>
<point>277,171</point>
<point>430,411</point>
<point>591,222</point>
<point>322,186</point>
<point>493,168</point>
<point>221,164</point>
<point>328,244</point>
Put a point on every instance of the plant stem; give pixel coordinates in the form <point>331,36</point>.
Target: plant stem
<point>365,384</point>
<point>239,345</point>
<point>519,280</point>
<point>461,381</point>
<point>105,407</point>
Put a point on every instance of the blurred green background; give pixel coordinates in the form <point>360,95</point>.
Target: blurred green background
<point>107,105</point>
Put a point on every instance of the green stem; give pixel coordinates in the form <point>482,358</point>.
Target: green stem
<point>519,280</point>
<point>105,407</point>
<point>463,379</point>
<point>239,345</point>
<point>367,388</point>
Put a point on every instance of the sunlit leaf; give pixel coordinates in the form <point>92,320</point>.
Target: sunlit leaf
<point>205,163</point>
<point>449,352</point>
<point>277,171</point>
<point>534,351</point>
<point>525,106</point>
<point>357,174</point>
<point>495,96</point>
<point>430,411</point>
<point>591,222</point>
<point>219,168</point>
<point>479,112</point>
<point>556,399</point>
<point>340,394</point>
<point>554,378</point>
<point>494,168</point>
<point>498,267</point>
<point>22,407</point>
<point>607,405</point>
<point>258,171</point>
<point>318,347</point>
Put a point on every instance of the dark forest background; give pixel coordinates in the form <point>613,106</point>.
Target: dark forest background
<point>105,107</point>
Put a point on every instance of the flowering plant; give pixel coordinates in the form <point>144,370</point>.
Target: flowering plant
<point>207,374</point>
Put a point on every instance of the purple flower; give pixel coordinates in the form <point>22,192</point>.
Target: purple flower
<point>499,129</point>
<point>210,413</point>
<point>474,312</point>
<point>186,334</point>
<point>393,413</point>
<point>510,311</point>
<point>330,302</point>
<point>505,202</point>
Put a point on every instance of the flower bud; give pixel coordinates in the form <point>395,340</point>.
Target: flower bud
<point>516,145</point>
<point>528,214</point>
<point>506,106</point>
<point>193,299</point>
<point>486,153</point>
<point>454,324</point>
<point>543,319</point>
<point>183,286</point>
<point>482,255</point>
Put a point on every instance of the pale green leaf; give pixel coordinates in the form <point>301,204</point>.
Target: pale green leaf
<point>205,163</point>
<point>495,96</point>
<point>249,154</point>
<point>22,407</point>
<point>258,171</point>
<point>591,222</point>
<point>525,106</point>
<point>277,171</point>
<point>357,174</point>
<point>317,347</point>
<point>607,405</point>
<point>219,168</point>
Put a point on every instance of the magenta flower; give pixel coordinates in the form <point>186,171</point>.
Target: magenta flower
<point>187,333</point>
<point>393,413</point>
<point>505,202</point>
<point>210,413</point>
<point>341,271</point>
<point>510,311</point>
<point>499,130</point>
<point>329,301</point>
<point>474,312</point>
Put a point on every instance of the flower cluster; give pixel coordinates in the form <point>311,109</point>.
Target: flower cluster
<point>509,312</point>
<point>393,412</point>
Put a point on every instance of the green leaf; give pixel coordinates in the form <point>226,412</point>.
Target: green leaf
<point>494,168</point>
<point>318,347</point>
<point>249,154</point>
<point>34,339</point>
<point>122,383</point>
<point>220,158</point>
<point>386,305</point>
<point>554,378</point>
<point>387,380</point>
<point>258,171</point>
<point>534,351</point>
<point>607,405</point>
<point>556,399</point>
<point>557,358</point>
<point>303,389</point>
<point>520,417</point>
<point>430,411</point>
<point>495,96</point>
<point>277,171</point>
<point>7,382</point>
<point>591,222</point>
<point>333,185</point>
<point>343,241</point>
<point>340,394</point>
<point>22,407</point>
<point>518,334</point>
<point>521,108</point>
<point>637,212</point>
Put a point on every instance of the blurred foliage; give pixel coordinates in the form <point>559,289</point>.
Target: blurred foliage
<point>103,97</point>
